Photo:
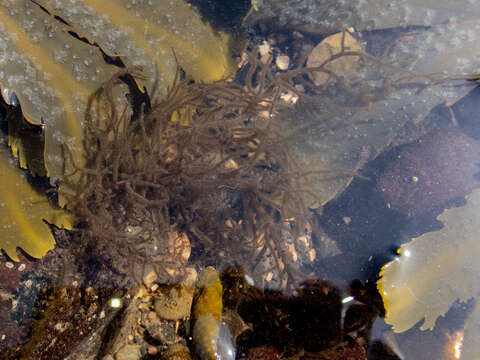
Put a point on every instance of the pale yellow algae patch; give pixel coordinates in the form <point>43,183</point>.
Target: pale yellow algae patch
<point>23,212</point>
<point>53,73</point>
<point>147,34</point>
<point>434,270</point>
<point>50,73</point>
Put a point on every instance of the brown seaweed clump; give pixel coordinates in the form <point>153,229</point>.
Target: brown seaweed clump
<point>205,168</point>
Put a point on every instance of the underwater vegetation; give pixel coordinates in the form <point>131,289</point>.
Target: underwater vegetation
<point>55,62</point>
<point>51,67</point>
<point>201,162</point>
<point>205,161</point>
<point>433,271</point>
<point>163,161</point>
<point>216,164</point>
<point>182,159</point>
<point>23,217</point>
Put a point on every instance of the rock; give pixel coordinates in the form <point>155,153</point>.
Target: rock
<point>128,352</point>
<point>332,45</point>
<point>152,350</point>
<point>282,62</point>
<point>163,331</point>
<point>149,276</point>
<point>178,248</point>
<point>435,169</point>
<point>175,303</point>
<point>177,352</point>
<point>190,277</point>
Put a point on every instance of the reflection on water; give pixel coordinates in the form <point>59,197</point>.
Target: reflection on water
<point>253,218</point>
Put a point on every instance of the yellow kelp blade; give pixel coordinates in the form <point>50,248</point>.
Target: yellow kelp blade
<point>434,270</point>
<point>26,140</point>
<point>52,74</point>
<point>471,341</point>
<point>53,71</point>
<point>147,34</point>
<point>22,211</point>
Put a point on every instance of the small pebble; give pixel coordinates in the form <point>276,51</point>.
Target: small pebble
<point>150,276</point>
<point>177,351</point>
<point>152,315</point>
<point>282,62</point>
<point>143,307</point>
<point>152,350</point>
<point>22,267</point>
<point>128,352</point>
<point>175,303</point>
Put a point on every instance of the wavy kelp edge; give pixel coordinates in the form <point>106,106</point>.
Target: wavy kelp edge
<point>58,55</point>
<point>434,270</point>
<point>24,213</point>
<point>471,340</point>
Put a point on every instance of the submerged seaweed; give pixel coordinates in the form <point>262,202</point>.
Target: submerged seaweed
<point>201,162</point>
<point>206,173</point>
<point>207,170</point>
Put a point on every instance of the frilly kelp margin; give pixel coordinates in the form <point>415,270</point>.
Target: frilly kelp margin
<point>435,270</point>
<point>57,53</point>
<point>24,212</point>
